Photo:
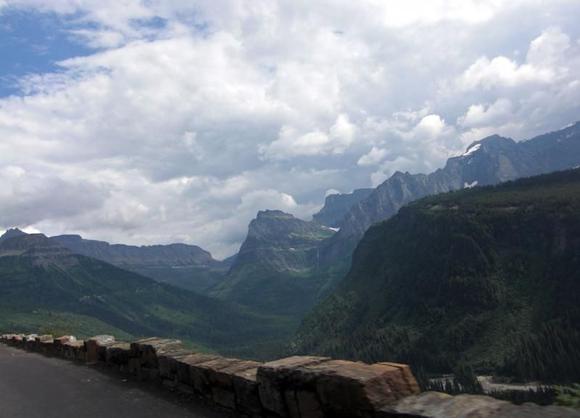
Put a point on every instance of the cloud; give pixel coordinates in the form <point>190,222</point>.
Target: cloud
<point>373,157</point>
<point>541,91</point>
<point>291,143</point>
<point>481,115</point>
<point>188,117</point>
<point>542,65</point>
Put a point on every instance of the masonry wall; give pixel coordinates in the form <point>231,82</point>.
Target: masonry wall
<point>293,387</point>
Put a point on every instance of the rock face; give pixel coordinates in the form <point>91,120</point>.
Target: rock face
<point>273,270</point>
<point>489,161</point>
<point>336,206</point>
<point>187,266</point>
<point>280,242</point>
<point>12,233</point>
<point>38,250</point>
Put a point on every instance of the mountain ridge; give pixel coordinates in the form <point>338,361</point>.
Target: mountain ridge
<point>484,277</point>
<point>38,274</point>
<point>488,161</point>
<point>183,265</point>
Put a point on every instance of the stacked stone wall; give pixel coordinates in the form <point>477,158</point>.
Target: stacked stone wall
<point>293,387</point>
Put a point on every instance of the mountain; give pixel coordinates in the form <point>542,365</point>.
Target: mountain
<point>337,205</point>
<point>485,277</point>
<point>42,281</point>
<point>489,161</point>
<point>186,266</point>
<point>12,233</point>
<point>274,270</point>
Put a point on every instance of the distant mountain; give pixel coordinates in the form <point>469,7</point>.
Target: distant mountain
<point>336,206</point>
<point>486,277</point>
<point>274,268</point>
<point>186,266</point>
<point>42,282</point>
<point>12,233</point>
<point>489,161</point>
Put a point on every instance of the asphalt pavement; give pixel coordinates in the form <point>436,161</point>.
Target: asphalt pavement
<point>35,386</point>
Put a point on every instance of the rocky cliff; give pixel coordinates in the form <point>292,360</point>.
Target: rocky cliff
<point>274,269</point>
<point>489,161</point>
<point>187,266</point>
<point>336,206</point>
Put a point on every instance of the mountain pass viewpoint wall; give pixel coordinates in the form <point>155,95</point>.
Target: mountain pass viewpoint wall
<point>293,387</point>
<point>298,387</point>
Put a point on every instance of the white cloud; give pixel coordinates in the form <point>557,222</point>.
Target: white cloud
<point>192,116</point>
<point>480,115</point>
<point>542,66</point>
<point>501,71</point>
<point>292,143</point>
<point>373,157</point>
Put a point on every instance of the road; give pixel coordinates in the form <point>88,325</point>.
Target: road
<point>34,386</point>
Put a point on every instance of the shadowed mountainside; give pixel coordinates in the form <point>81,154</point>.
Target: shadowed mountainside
<point>40,279</point>
<point>486,277</point>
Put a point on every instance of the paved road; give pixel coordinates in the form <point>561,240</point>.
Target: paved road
<point>34,386</point>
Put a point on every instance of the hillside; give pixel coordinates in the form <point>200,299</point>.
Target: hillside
<point>485,277</point>
<point>41,279</point>
<point>186,266</point>
<point>489,161</point>
<point>275,269</point>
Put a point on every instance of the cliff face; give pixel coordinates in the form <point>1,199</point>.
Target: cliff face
<point>336,206</point>
<point>486,277</point>
<point>181,265</point>
<point>11,233</point>
<point>490,161</point>
<point>273,270</point>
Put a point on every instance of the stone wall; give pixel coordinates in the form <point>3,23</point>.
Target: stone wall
<point>294,387</point>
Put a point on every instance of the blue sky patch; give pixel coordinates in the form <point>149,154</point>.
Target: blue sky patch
<point>32,43</point>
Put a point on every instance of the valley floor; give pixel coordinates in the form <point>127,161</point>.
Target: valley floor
<point>34,386</point>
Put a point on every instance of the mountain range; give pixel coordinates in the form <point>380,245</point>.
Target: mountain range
<point>182,265</point>
<point>486,278</point>
<point>492,160</point>
<point>43,284</point>
<point>284,268</point>
<point>257,283</point>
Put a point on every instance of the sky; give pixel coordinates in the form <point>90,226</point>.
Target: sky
<point>158,121</point>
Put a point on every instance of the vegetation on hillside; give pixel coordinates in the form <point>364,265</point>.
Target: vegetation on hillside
<point>486,278</point>
<point>76,294</point>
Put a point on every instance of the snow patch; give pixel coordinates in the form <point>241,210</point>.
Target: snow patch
<point>471,150</point>
<point>334,229</point>
<point>467,185</point>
